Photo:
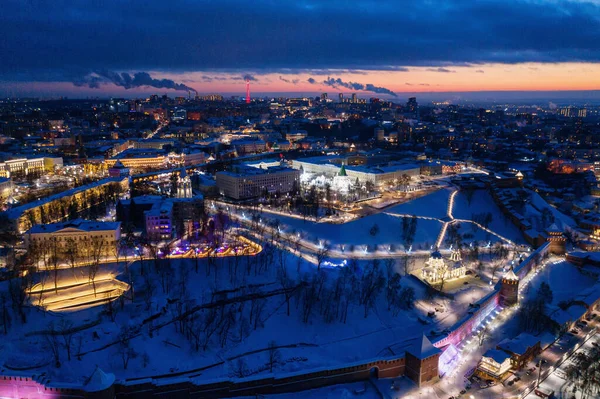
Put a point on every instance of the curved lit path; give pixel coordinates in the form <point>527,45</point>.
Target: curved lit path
<point>306,249</point>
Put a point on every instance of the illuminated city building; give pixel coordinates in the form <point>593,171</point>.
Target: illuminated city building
<point>103,236</point>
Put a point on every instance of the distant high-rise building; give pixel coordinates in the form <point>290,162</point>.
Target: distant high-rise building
<point>354,98</point>
<point>247,91</point>
<point>569,111</point>
<point>341,97</point>
<point>413,106</point>
<point>323,96</point>
<point>582,113</point>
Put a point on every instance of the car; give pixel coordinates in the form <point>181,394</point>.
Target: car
<point>517,378</point>
<point>528,372</point>
<point>464,391</point>
<point>511,382</point>
<point>585,323</point>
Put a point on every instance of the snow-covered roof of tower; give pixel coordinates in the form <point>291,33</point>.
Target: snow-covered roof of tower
<point>99,380</point>
<point>519,174</point>
<point>553,229</point>
<point>118,165</point>
<point>510,275</point>
<point>423,348</point>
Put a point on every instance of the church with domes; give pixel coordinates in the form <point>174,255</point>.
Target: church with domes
<point>437,268</point>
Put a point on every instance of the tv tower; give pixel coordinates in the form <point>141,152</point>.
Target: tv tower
<point>247,91</point>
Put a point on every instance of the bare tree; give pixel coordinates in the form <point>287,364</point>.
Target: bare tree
<point>148,292</point>
<point>97,247</point>
<point>65,329</point>
<point>274,356</point>
<point>72,252</point>
<point>125,349</point>
<point>54,259</point>
<point>51,338</point>
<point>407,297</point>
<point>42,284</point>
<point>372,283</point>
<point>495,266</point>
<point>443,277</point>
<point>284,280</point>
<point>18,289</point>
<point>393,290</point>
<point>109,307</point>
<point>240,368</point>
<point>322,254</point>
<point>35,253</point>
<point>5,314</point>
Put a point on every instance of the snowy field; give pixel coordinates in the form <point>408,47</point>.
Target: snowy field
<point>357,232</point>
<point>432,205</point>
<point>482,202</point>
<point>565,280</point>
<point>471,233</point>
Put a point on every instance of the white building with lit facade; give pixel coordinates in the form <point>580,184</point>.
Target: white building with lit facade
<point>438,269</point>
<point>244,182</point>
<point>105,235</point>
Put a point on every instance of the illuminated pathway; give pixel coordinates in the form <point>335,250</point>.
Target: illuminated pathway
<point>339,251</point>
<point>76,294</point>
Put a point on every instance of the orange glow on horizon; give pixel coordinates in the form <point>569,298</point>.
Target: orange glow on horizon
<point>484,77</point>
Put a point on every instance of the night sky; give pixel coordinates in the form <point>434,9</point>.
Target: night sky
<point>382,47</point>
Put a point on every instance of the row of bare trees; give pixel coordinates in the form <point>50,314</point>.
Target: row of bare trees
<point>52,253</point>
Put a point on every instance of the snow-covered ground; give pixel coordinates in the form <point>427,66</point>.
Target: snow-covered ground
<point>432,205</point>
<point>363,390</point>
<point>357,232</point>
<point>565,280</point>
<point>482,202</point>
<point>165,350</point>
<point>539,203</point>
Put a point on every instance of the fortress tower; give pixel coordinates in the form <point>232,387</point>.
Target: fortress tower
<point>557,240</point>
<point>509,289</point>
